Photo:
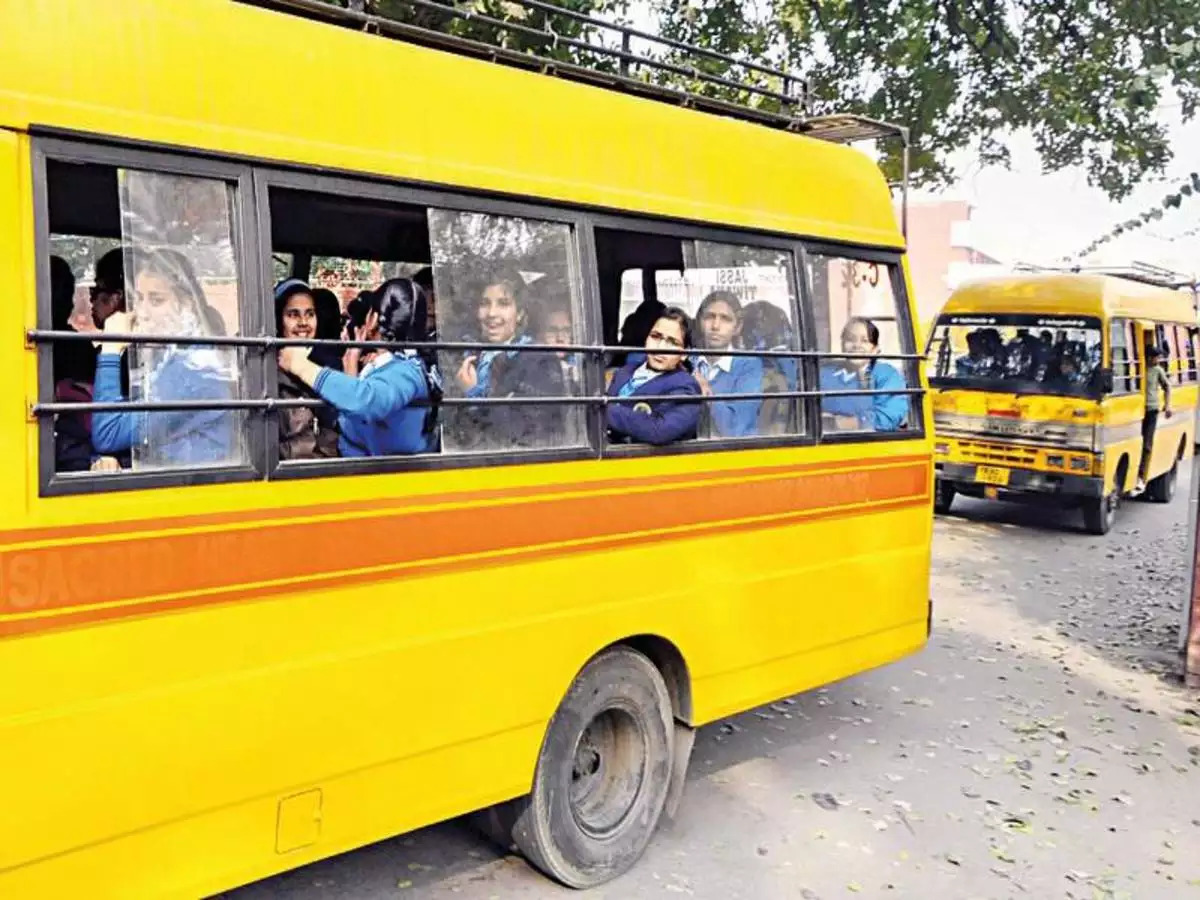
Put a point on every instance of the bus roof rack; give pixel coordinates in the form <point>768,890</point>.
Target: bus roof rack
<point>849,128</point>
<point>621,58</point>
<point>1142,272</point>
<point>617,57</point>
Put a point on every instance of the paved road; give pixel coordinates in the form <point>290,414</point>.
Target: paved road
<point>1037,748</point>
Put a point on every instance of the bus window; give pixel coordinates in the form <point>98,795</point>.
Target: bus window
<point>1178,340</point>
<point>856,311</point>
<point>358,251</point>
<point>744,298</point>
<point>738,297</point>
<point>1187,338</point>
<point>181,277</point>
<point>1165,340</point>
<point>503,281</point>
<point>166,242</point>
<point>1123,362</point>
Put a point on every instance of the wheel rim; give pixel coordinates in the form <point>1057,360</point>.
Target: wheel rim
<point>1110,507</point>
<point>608,770</point>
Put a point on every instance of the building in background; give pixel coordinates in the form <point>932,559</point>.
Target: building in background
<point>942,254</point>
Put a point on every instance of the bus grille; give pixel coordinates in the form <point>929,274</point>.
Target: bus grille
<point>979,452</point>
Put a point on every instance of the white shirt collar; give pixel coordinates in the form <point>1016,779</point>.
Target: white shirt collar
<point>724,363</point>
<point>378,361</point>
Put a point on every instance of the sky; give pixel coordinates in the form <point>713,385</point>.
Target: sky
<point>1024,215</point>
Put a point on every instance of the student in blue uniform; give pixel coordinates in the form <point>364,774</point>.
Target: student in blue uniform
<point>662,371</point>
<point>503,316</point>
<point>766,327</point>
<point>376,392</point>
<point>719,323</point>
<point>167,299</point>
<point>868,412</point>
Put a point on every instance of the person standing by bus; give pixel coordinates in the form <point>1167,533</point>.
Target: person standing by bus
<point>1158,397</point>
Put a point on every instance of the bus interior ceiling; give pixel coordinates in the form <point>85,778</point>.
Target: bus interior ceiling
<point>309,223</point>
<point>84,199</point>
<point>619,251</point>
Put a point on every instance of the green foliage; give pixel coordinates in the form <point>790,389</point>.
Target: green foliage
<point>1084,76</point>
<point>515,14</point>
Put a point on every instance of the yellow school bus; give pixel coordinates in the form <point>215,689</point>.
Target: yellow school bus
<point>1038,391</point>
<point>225,656</point>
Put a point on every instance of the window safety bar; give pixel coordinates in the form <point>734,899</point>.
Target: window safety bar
<point>269,404</point>
<point>45,336</point>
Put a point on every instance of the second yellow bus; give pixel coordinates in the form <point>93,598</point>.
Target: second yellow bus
<point>1039,391</point>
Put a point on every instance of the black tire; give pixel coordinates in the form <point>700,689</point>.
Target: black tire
<point>943,496</point>
<point>1099,513</point>
<point>1162,488</point>
<point>602,775</point>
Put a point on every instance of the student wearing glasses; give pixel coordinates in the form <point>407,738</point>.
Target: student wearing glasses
<point>663,371</point>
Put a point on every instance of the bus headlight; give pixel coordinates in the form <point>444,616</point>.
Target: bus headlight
<point>1055,461</point>
<point>1080,463</point>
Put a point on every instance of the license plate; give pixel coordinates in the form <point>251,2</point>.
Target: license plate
<point>991,475</point>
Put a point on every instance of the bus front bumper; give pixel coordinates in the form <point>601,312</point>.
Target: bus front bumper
<point>965,479</point>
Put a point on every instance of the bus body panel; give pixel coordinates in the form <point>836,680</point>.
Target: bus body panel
<point>16,314</point>
<point>470,123</point>
<point>423,678</point>
<point>210,684</point>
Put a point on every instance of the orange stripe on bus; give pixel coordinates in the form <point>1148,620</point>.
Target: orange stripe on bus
<point>75,617</point>
<point>47,586</point>
<point>384,504</point>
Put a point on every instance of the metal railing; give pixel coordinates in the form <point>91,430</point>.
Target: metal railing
<point>670,70</point>
<point>35,337</point>
<point>792,96</point>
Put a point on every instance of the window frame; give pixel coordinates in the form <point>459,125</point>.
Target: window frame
<point>1180,347</point>
<point>1135,350</point>
<point>905,328</point>
<point>691,231</point>
<point>1187,336</point>
<point>1137,356</point>
<point>254,178</point>
<point>454,201</point>
<point>1129,376</point>
<point>52,483</point>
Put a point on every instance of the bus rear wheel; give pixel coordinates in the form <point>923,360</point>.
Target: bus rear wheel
<point>603,773</point>
<point>1099,513</point>
<point>1162,488</point>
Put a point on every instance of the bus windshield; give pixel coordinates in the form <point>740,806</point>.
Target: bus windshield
<point>1023,354</point>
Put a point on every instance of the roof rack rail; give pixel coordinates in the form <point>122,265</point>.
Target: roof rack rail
<point>606,54</point>
<point>1142,272</point>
